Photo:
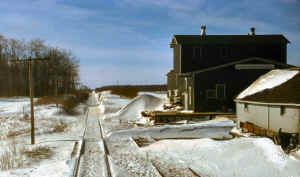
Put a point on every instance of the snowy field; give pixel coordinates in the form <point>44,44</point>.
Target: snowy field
<point>183,150</point>
<point>55,133</point>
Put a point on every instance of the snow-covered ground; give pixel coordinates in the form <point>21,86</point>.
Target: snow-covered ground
<point>210,129</point>
<point>55,135</point>
<point>182,155</point>
<point>174,150</point>
<point>12,106</point>
<point>246,157</point>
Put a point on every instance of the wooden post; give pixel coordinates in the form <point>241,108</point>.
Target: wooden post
<point>30,80</point>
<point>56,91</point>
<point>31,101</point>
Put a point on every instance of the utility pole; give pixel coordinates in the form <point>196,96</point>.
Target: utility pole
<point>29,61</point>
<point>31,100</point>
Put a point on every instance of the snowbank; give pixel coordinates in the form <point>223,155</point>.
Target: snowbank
<point>132,111</point>
<point>247,157</point>
<point>209,129</point>
<point>156,94</point>
<point>110,103</point>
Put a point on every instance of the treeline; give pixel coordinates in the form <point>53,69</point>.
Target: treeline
<point>54,70</point>
<point>140,88</point>
<point>131,91</point>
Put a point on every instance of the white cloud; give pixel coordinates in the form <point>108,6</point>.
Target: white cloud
<point>186,5</point>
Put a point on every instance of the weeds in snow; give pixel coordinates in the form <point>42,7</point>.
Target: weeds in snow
<point>37,153</point>
<point>17,155</point>
<point>14,126</point>
<point>60,127</point>
<point>47,100</point>
<point>10,158</point>
<point>13,133</point>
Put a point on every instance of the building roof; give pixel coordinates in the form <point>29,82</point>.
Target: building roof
<point>229,39</point>
<point>277,87</point>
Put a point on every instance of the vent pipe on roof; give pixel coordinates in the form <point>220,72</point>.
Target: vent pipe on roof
<point>252,31</point>
<point>203,30</point>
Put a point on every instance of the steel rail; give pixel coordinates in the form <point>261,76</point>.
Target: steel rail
<point>106,152</point>
<point>77,162</point>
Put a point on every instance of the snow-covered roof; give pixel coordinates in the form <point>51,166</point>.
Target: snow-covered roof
<point>276,86</point>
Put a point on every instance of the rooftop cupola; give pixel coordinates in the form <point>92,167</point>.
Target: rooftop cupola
<point>203,30</point>
<point>252,31</point>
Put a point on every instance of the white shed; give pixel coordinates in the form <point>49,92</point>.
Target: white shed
<point>272,101</point>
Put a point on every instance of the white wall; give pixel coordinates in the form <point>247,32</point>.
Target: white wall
<point>256,114</point>
<point>289,121</point>
<point>259,114</point>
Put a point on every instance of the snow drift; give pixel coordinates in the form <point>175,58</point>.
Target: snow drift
<point>247,157</point>
<point>110,103</point>
<point>209,129</point>
<point>132,111</point>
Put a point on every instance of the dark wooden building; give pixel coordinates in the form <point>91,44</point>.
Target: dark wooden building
<point>210,70</point>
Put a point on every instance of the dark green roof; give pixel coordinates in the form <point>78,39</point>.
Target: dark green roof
<point>231,39</point>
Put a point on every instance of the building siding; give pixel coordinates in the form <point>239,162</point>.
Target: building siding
<point>235,81</point>
<point>212,55</point>
<point>289,121</point>
<point>176,58</point>
<point>269,117</point>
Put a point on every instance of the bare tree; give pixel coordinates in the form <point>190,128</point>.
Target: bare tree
<point>57,75</point>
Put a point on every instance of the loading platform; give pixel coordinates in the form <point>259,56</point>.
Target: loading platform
<point>173,116</point>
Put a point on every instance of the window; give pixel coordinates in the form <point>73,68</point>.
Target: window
<point>246,107</point>
<point>211,94</point>
<point>218,93</point>
<point>282,110</point>
<point>220,89</point>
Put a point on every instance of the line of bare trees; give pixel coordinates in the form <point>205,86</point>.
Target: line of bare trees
<point>56,72</point>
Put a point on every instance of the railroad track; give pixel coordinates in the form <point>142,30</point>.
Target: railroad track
<point>81,150</point>
<point>77,166</point>
<point>106,152</point>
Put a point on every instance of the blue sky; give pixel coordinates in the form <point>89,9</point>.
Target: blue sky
<point>127,41</point>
